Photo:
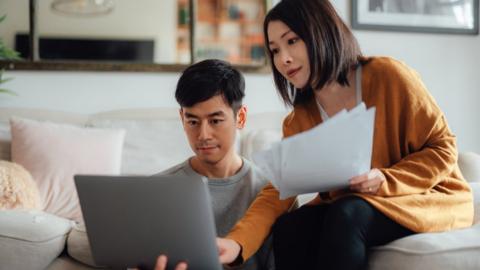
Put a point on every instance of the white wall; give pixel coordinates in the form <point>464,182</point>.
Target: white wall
<point>447,63</point>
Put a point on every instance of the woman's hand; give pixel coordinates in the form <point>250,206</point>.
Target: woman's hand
<point>228,250</point>
<point>368,182</point>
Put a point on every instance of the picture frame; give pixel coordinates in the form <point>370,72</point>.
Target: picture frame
<point>425,16</point>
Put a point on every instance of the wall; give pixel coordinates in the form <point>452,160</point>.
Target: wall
<point>448,65</point>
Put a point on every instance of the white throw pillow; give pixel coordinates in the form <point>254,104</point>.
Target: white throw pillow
<point>469,164</point>
<point>54,153</point>
<point>257,140</point>
<point>151,146</point>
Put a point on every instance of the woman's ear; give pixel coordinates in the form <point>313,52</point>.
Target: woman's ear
<point>241,117</point>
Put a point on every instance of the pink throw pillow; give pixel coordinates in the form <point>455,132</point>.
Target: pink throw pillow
<point>54,153</point>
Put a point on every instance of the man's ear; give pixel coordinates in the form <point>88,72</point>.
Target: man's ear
<point>241,117</point>
<point>181,115</point>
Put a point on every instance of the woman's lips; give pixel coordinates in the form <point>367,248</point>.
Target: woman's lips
<point>293,72</point>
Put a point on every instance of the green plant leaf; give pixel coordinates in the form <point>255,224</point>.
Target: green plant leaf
<point>5,80</point>
<point>5,52</point>
<point>9,92</point>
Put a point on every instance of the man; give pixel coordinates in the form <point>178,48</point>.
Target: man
<point>210,94</point>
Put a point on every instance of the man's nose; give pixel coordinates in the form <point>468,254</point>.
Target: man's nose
<point>205,131</point>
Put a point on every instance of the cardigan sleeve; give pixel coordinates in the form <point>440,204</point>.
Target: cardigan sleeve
<point>252,230</point>
<point>429,148</point>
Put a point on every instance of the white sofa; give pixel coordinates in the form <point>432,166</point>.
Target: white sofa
<point>154,141</point>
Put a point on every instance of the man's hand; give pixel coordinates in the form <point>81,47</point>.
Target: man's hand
<point>228,250</point>
<point>161,264</point>
<point>368,183</point>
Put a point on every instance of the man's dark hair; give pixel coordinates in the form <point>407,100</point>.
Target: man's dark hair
<point>332,49</point>
<point>209,78</point>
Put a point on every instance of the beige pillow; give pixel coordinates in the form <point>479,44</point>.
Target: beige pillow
<point>54,153</point>
<point>17,188</point>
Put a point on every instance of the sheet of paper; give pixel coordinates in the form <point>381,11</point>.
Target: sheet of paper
<point>323,158</point>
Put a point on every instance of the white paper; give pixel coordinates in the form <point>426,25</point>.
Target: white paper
<point>323,158</point>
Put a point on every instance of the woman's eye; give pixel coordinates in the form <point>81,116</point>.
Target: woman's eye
<point>292,41</point>
<point>274,51</point>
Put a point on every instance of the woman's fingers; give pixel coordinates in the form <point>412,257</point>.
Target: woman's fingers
<point>367,183</point>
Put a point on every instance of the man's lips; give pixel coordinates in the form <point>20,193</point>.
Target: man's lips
<point>206,148</point>
<point>294,71</point>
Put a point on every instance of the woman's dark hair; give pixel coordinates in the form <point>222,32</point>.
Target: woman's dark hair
<point>209,78</point>
<point>332,49</point>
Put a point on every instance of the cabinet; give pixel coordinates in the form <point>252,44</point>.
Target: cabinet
<point>231,30</point>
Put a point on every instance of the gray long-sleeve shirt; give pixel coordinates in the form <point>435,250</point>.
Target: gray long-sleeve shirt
<point>230,199</point>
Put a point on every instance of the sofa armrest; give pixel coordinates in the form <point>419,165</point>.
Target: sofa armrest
<point>31,239</point>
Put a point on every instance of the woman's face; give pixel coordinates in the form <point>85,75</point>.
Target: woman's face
<point>290,55</point>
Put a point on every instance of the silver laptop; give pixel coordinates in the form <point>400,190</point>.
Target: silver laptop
<point>131,220</point>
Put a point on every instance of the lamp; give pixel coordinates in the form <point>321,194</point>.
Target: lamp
<point>83,7</point>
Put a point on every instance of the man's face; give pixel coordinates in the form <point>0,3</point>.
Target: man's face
<point>211,128</point>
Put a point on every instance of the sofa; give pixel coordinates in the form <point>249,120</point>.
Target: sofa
<point>153,141</point>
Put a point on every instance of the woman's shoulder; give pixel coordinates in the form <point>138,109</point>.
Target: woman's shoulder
<point>392,79</point>
<point>386,66</point>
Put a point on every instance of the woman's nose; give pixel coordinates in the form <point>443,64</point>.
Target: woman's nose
<point>286,58</point>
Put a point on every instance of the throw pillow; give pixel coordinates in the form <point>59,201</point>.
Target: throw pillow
<point>469,164</point>
<point>17,189</point>
<point>151,146</point>
<point>54,153</point>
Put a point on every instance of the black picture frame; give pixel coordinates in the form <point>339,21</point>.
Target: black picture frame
<point>427,16</point>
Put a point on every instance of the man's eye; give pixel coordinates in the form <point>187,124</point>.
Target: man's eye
<point>216,121</point>
<point>191,122</point>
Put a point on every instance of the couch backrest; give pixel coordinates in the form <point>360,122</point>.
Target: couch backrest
<point>154,140</point>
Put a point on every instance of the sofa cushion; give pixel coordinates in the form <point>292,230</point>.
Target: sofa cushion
<point>31,239</point>
<point>78,246</point>
<point>457,249</point>
<point>53,153</point>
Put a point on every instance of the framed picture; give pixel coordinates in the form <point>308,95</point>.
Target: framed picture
<point>428,16</point>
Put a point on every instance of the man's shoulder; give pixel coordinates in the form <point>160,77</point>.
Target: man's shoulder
<point>174,170</point>
<point>255,173</point>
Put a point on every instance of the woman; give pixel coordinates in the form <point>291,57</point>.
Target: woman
<point>414,184</point>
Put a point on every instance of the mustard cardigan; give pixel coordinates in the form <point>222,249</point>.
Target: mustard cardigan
<point>424,190</point>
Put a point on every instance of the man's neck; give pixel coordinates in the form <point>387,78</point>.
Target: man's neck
<point>224,168</point>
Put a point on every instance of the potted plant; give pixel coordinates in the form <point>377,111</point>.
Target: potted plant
<point>6,54</point>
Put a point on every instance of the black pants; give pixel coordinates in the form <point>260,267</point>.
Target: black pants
<point>332,236</point>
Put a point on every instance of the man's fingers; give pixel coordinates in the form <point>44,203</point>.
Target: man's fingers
<point>161,263</point>
<point>181,266</point>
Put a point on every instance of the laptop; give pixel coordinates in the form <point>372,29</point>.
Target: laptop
<point>131,220</point>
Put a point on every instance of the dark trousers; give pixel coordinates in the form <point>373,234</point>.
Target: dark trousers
<point>332,236</point>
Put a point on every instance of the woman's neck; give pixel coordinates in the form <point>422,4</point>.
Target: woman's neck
<point>335,97</point>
